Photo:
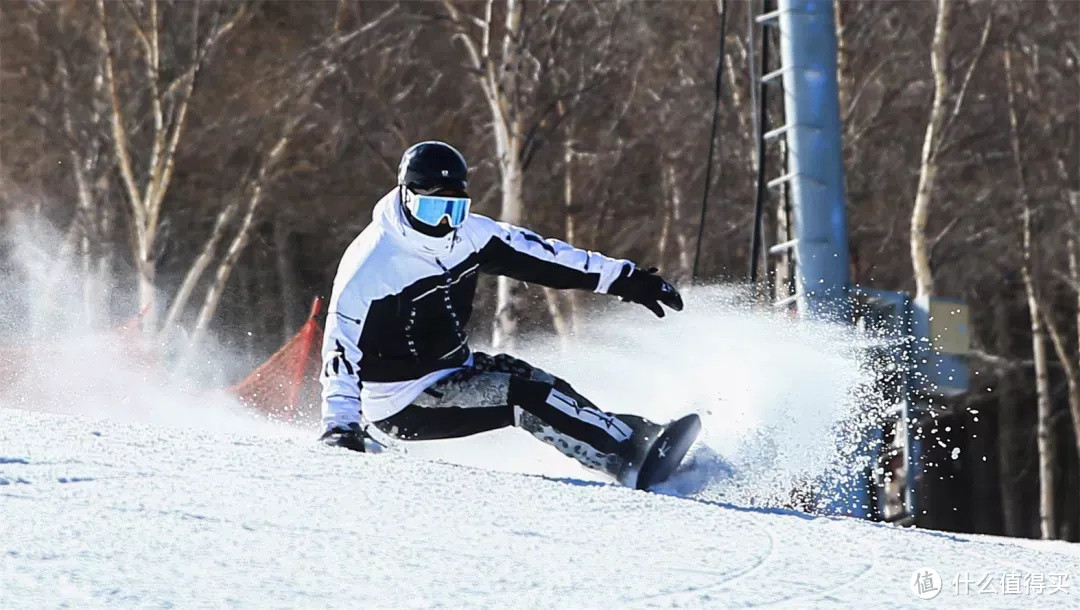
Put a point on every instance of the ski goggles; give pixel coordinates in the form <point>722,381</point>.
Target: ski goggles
<point>431,209</point>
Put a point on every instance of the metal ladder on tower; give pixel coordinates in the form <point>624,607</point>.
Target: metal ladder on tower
<point>764,79</point>
<point>814,247</point>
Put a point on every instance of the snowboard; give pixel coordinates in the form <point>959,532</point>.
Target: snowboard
<point>667,451</point>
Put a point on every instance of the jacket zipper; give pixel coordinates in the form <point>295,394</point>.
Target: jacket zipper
<point>462,337</point>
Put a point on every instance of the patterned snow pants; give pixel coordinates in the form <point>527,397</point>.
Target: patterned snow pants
<point>500,391</point>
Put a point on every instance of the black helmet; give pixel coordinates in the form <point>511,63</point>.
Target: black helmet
<point>430,167</point>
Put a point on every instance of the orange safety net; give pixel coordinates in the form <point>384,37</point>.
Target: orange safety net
<point>287,385</point>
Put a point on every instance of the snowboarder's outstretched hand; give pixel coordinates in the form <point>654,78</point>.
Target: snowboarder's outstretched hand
<point>350,437</point>
<point>645,287</point>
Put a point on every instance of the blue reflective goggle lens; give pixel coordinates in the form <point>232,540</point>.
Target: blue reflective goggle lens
<point>430,209</point>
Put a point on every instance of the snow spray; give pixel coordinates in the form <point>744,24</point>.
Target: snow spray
<point>785,403</point>
<point>64,348</point>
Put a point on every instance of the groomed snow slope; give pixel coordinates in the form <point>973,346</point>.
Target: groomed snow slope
<point>100,513</point>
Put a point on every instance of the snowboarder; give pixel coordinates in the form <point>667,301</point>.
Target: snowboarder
<point>395,350</point>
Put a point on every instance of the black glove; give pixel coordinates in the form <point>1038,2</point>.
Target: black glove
<point>645,287</point>
<point>350,437</point>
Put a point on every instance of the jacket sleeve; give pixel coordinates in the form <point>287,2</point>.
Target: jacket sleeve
<point>523,255</point>
<point>341,356</point>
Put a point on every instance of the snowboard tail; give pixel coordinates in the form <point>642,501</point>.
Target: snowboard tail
<point>665,454</point>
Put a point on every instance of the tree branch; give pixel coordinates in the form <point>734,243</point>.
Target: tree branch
<point>120,144</point>
<point>967,79</point>
<point>1060,348</point>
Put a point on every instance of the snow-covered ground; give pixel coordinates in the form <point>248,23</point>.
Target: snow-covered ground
<point>122,488</point>
<point>100,513</point>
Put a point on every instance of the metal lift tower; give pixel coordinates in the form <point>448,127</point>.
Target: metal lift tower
<point>926,338</point>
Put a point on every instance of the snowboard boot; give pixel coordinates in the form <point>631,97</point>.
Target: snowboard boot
<point>660,451</point>
<point>644,434</point>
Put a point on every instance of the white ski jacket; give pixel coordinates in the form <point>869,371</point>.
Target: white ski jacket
<point>401,302</point>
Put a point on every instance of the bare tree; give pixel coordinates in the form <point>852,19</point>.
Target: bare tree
<point>564,306</point>
<point>1008,441</point>
<point>934,142</point>
<point>673,206</point>
<point>498,78</point>
<point>87,169</point>
<point>329,64</point>
<point>1047,499</point>
<point>169,103</point>
<point>1068,360</point>
<point>920,213</point>
<point>517,65</point>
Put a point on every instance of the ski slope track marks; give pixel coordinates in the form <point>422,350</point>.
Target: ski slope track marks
<point>102,513</point>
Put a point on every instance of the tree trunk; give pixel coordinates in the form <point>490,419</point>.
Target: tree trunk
<point>506,118</point>
<point>145,194</point>
<point>674,195</point>
<point>1068,360</point>
<point>665,229</point>
<point>572,298</point>
<point>1072,372</point>
<point>509,293</point>
<point>197,268</point>
<point>83,162</point>
<point>784,279</point>
<point>1028,272</point>
<point>236,247</point>
<point>559,301</point>
<point>1008,423</point>
<point>106,257</point>
<point>1074,275</point>
<point>256,188</point>
<point>497,82</point>
<point>551,296</point>
<point>1045,434</point>
<point>85,209</point>
<point>145,275</point>
<point>920,247</point>
<point>147,199</point>
<point>844,78</point>
<point>508,136</point>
